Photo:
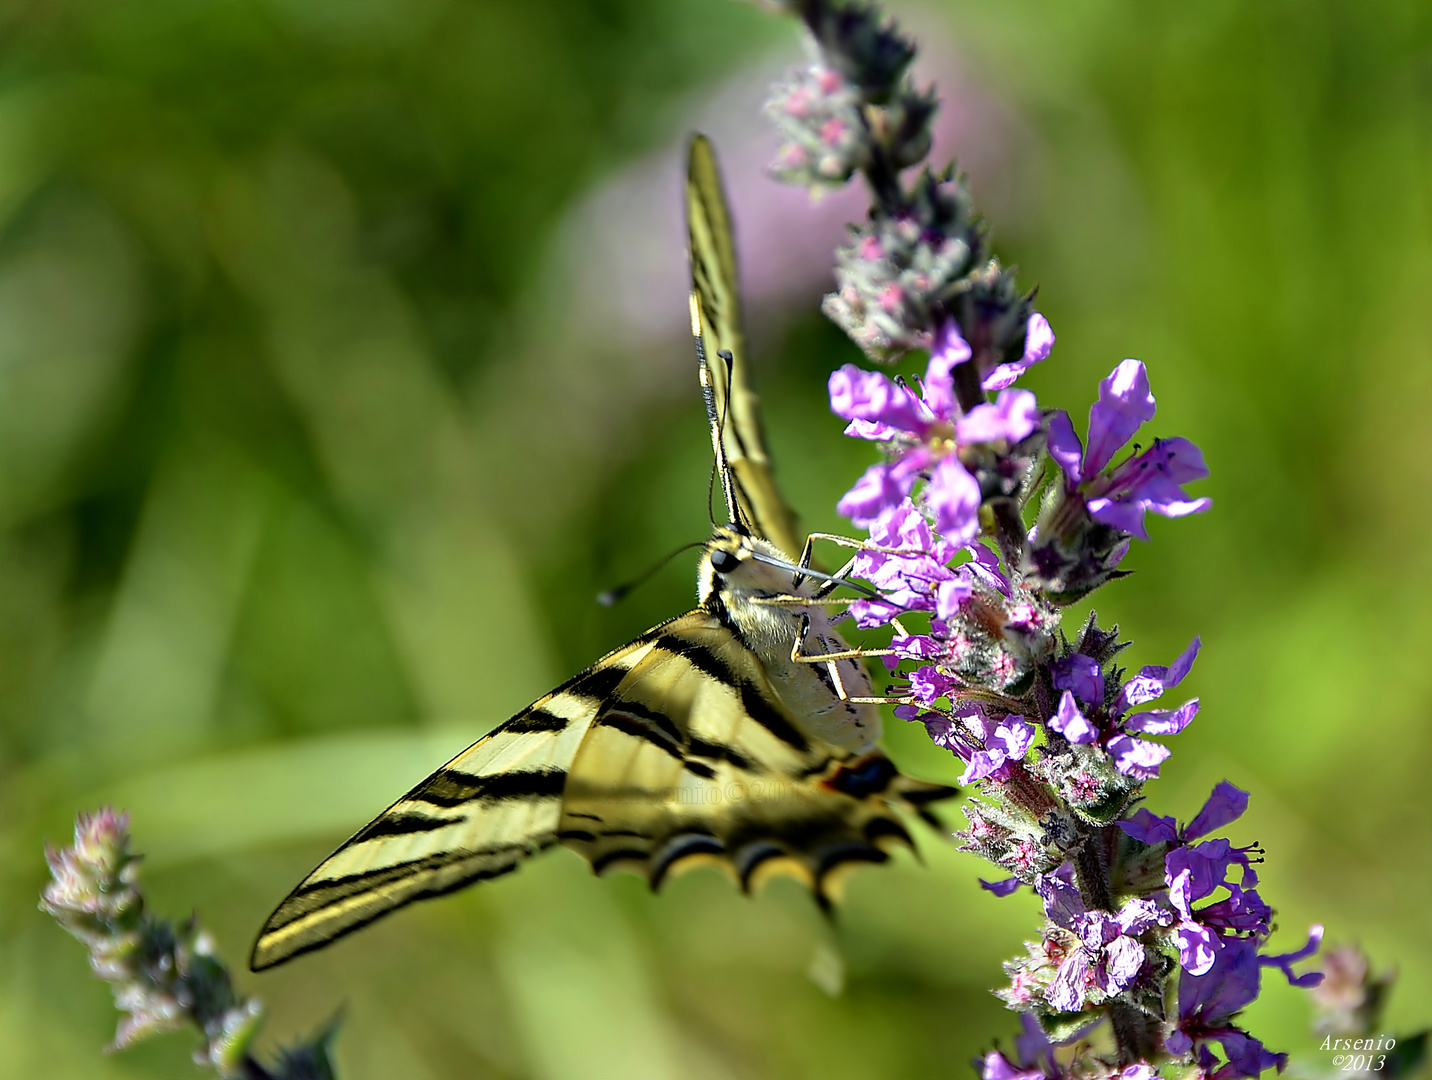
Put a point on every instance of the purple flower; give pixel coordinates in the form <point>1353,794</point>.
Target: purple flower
<point>1081,675</point>
<point>1033,1056</point>
<point>1148,481</point>
<point>1108,957</point>
<point>999,1067</point>
<point>1004,742</point>
<point>1081,679</point>
<point>927,432</point>
<point>1208,1001</point>
<point>1137,758</point>
<point>1224,806</point>
<point>1153,679</point>
<point>907,564</point>
<point>1195,871</point>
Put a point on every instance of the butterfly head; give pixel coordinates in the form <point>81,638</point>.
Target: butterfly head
<point>737,562</point>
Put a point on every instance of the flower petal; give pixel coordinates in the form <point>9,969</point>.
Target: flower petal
<point>1284,962</point>
<point>1038,341</point>
<point>1070,722</point>
<point>1153,679</point>
<point>1082,675</point>
<point>1137,758</point>
<point>1149,827</point>
<point>1064,446</point>
<point>1124,404</point>
<point>948,350</point>
<point>877,490</point>
<point>1163,721</point>
<point>1001,888</point>
<point>1198,947</point>
<point>1010,418</point>
<point>1066,992</point>
<point>953,496</point>
<point>1223,807</point>
<point>1123,958</point>
<point>868,395</point>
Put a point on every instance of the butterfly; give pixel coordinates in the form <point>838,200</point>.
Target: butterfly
<point>709,740</point>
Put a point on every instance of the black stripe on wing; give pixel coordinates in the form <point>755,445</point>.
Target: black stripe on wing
<point>452,788</point>
<point>753,701</point>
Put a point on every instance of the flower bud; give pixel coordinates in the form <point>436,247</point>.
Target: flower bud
<point>898,272</point>
<point>872,56</point>
<point>818,112</point>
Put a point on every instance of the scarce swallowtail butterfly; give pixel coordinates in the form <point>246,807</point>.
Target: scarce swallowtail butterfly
<point>709,740</point>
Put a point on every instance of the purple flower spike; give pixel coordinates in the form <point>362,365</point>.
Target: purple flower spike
<point>1124,404</point>
<point>1070,722</point>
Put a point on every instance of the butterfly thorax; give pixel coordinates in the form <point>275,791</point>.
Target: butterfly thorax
<point>735,575</point>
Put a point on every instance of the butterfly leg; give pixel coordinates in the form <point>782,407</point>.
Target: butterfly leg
<point>831,665</point>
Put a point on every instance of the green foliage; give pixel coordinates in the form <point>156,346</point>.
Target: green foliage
<point>296,498</point>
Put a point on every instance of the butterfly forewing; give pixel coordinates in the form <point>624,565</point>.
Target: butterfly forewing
<point>473,819</point>
<point>737,413</point>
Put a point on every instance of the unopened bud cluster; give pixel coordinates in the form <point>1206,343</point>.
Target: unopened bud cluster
<point>987,516</point>
<point>164,976</point>
<point>920,259</point>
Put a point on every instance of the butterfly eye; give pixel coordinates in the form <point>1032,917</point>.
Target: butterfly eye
<point>723,561</point>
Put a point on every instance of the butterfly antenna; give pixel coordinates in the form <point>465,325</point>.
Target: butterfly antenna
<point>806,571</point>
<point>611,597</point>
<point>738,513</point>
<point>714,416</point>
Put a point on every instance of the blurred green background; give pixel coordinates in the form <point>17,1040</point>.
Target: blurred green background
<point>318,435</point>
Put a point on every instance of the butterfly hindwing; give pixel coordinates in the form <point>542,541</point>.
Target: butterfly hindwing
<point>696,760</point>
<point>717,321</point>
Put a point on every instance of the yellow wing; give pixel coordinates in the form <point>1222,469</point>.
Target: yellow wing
<point>475,818</point>
<point>716,321</point>
<point>671,752</point>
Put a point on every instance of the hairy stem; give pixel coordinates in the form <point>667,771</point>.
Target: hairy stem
<point>1010,533</point>
<point>1133,1034</point>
